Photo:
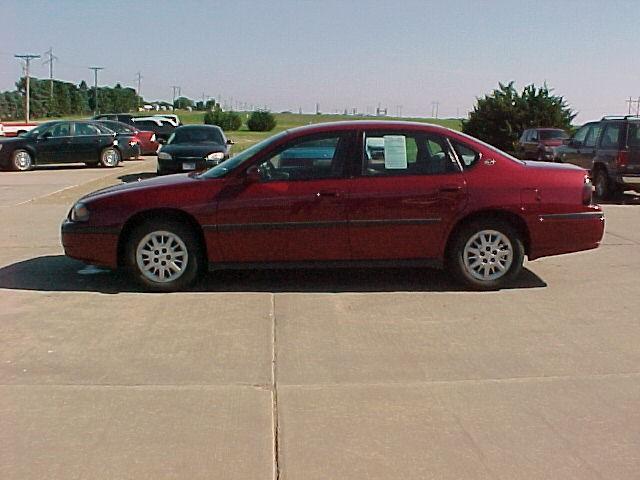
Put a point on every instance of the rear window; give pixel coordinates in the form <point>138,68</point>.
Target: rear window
<point>552,134</point>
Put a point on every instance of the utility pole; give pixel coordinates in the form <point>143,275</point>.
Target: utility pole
<point>176,88</point>
<point>27,60</point>
<point>139,79</point>
<point>630,102</point>
<point>51,59</point>
<point>434,108</point>
<point>95,85</point>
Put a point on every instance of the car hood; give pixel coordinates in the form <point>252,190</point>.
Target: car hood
<point>193,149</point>
<point>147,184</point>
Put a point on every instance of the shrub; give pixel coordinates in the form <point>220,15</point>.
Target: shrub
<point>500,117</point>
<point>225,120</point>
<point>261,121</point>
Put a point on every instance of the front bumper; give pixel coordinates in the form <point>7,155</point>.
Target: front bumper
<point>177,165</point>
<point>90,244</point>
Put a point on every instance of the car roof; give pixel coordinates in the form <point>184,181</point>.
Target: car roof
<point>366,125</point>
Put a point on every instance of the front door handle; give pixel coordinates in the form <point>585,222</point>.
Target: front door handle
<point>451,189</point>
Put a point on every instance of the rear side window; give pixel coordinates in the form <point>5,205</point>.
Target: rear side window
<point>611,136</point>
<point>466,155</point>
<point>634,135</point>
<point>406,153</point>
<point>86,129</point>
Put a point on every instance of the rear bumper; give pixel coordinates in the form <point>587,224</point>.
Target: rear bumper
<point>555,234</point>
<point>97,246</point>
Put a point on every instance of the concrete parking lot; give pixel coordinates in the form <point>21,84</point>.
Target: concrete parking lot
<point>311,374</point>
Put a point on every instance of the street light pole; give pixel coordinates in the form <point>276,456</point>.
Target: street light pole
<point>95,84</point>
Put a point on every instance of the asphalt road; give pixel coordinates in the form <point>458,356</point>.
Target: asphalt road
<point>384,374</point>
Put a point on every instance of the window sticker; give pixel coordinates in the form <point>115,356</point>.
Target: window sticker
<point>395,152</point>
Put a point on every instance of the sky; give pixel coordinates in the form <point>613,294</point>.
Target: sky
<point>286,55</point>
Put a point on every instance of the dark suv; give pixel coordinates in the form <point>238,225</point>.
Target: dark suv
<point>610,150</point>
<point>539,143</point>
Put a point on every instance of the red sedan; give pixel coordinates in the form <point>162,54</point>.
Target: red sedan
<point>343,194</point>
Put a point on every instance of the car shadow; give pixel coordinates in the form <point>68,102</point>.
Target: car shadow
<point>626,198</point>
<point>62,274</point>
<point>136,177</point>
<point>66,166</point>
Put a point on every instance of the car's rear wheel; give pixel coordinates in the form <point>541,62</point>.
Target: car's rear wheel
<point>164,256</point>
<point>21,161</point>
<point>602,184</point>
<point>110,157</point>
<point>486,254</point>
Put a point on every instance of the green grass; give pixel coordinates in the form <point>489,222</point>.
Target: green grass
<point>243,138</point>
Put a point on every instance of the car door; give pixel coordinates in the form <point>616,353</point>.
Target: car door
<point>296,210</point>
<point>54,145</point>
<point>587,152</point>
<point>86,142</point>
<point>409,188</point>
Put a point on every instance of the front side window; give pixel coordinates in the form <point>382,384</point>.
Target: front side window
<point>611,136</point>
<point>61,130</point>
<point>309,158</point>
<point>592,135</point>
<point>407,153</point>
<point>581,134</point>
<point>534,135</point>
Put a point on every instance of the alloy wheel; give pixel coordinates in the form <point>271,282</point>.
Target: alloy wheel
<point>162,256</point>
<point>22,160</point>
<point>488,255</point>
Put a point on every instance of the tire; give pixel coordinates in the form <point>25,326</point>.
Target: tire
<point>602,183</point>
<point>486,255</point>
<point>21,160</point>
<point>110,157</point>
<point>155,242</point>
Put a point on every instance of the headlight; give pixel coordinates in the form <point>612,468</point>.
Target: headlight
<point>215,156</point>
<point>79,213</point>
<point>115,142</point>
<point>164,156</point>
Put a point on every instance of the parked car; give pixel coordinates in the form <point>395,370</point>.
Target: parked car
<point>170,116</point>
<point>610,150</point>
<point>539,143</point>
<point>437,198</point>
<point>126,136</point>
<point>193,147</point>
<point>162,127</point>
<point>13,129</point>
<point>61,142</point>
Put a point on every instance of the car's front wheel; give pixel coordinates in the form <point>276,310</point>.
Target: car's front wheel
<point>486,254</point>
<point>164,256</point>
<point>21,161</point>
<point>110,157</point>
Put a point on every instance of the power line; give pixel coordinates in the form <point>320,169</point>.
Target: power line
<point>95,83</point>
<point>27,60</point>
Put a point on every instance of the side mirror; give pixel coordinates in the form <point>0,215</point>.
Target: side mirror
<point>161,141</point>
<point>252,175</point>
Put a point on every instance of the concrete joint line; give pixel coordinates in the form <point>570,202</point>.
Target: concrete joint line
<point>274,392</point>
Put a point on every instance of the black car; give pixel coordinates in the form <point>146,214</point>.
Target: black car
<point>126,137</point>
<point>193,147</point>
<point>61,142</point>
<point>610,150</point>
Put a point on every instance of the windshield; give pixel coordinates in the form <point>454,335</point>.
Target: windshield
<point>225,167</point>
<point>196,135</point>
<point>552,134</point>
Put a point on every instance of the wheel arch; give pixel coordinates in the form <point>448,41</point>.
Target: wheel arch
<point>166,213</point>
<point>516,221</point>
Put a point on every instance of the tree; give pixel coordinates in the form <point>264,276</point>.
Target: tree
<point>225,120</point>
<point>182,103</point>
<point>261,121</point>
<point>500,117</point>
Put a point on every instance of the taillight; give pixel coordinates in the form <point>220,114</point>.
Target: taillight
<point>587,191</point>
<point>622,159</point>
<point>153,138</point>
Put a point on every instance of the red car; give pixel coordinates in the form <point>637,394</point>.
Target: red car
<point>343,194</point>
<point>147,142</point>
